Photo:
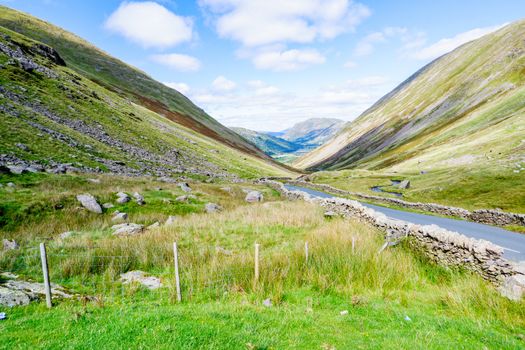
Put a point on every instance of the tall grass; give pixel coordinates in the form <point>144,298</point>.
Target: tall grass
<point>217,263</point>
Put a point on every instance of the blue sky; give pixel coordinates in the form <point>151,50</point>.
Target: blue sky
<point>267,64</point>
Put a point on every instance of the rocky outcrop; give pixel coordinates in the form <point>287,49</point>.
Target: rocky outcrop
<point>444,247</point>
<point>484,216</point>
<point>212,208</point>
<point>17,292</point>
<point>127,229</point>
<point>141,277</point>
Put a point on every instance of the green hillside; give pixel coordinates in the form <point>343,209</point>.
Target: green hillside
<point>117,76</point>
<point>465,108</point>
<point>56,118</point>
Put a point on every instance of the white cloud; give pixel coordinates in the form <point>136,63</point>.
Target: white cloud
<point>287,60</point>
<point>350,64</point>
<point>223,84</point>
<point>149,24</point>
<point>263,22</point>
<point>180,87</point>
<point>262,106</point>
<point>178,62</point>
<point>367,45</point>
<point>445,45</point>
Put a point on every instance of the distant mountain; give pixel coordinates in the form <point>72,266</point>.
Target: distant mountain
<point>313,132</point>
<point>271,145</point>
<point>288,144</point>
<point>465,108</point>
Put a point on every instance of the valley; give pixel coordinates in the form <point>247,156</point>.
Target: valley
<point>131,218</point>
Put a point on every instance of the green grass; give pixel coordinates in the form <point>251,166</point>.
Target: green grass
<point>222,307</point>
<point>461,187</point>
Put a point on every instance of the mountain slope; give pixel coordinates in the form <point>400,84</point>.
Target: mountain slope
<point>271,145</point>
<point>54,118</point>
<point>464,109</point>
<point>121,78</point>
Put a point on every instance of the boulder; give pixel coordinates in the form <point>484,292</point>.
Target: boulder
<point>119,216</point>
<point>10,184</point>
<point>154,225</point>
<point>10,298</point>
<point>107,205</point>
<point>127,229</point>
<point>123,198</point>
<point>10,244</point>
<point>404,184</point>
<point>90,203</point>
<point>513,287</point>
<point>254,196</point>
<point>185,187</point>
<point>212,208</point>
<point>139,198</point>
<point>150,282</point>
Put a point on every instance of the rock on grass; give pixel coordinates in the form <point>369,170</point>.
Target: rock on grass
<point>90,203</point>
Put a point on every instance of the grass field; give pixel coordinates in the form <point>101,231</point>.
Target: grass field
<point>462,187</point>
<point>396,299</point>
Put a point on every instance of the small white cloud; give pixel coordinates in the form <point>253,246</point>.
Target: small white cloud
<point>223,84</point>
<point>287,60</point>
<point>350,64</point>
<point>448,44</point>
<point>366,45</point>
<point>370,81</point>
<point>178,62</point>
<point>180,87</point>
<point>149,24</point>
<point>263,22</point>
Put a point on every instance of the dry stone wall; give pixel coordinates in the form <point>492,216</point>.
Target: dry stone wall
<point>484,216</point>
<point>445,247</point>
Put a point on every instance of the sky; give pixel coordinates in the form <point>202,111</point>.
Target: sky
<point>268,64</point>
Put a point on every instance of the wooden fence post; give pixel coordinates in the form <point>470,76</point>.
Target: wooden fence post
<point>306,252</point>
<point>256,279</point>
<point>353,244</point>
<point>45,271</point>
<point>177,277</point>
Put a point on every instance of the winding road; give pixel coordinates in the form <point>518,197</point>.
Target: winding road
<point>513,243</point>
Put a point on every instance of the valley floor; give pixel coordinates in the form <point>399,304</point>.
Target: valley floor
<point>344,296</point>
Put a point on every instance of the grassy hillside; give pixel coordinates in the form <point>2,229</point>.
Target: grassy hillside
<point>396,299</point>
<point>465,109</point>
<point>124,80</point>
<point>51,114</point>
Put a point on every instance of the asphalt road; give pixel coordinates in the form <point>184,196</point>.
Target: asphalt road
<point>513,243</point>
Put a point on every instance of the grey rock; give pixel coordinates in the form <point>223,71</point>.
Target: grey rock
<point>267,302</point>
<point>10,244</point>
<point>254,196</point>
<point>17,170</point>
<point>119,216</point>
<point>139,198</point>
<point>123,198</point>
<point>513,287</point>
<point>107,205</point>
<point>10,184</point>
<point>127,229</point>
<point>90,203</point>
<point>405,184</point>
<point>95,181</point>
<point>185,198</point>
<point>141,277</point>
<point>153,226</point>
<point>185,187</point>
<point>227,189</point>
<point>22,147</point>
<point>212,208</point>
<point>10,298</point>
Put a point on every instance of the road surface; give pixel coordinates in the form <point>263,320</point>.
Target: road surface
<point>513,243</point>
